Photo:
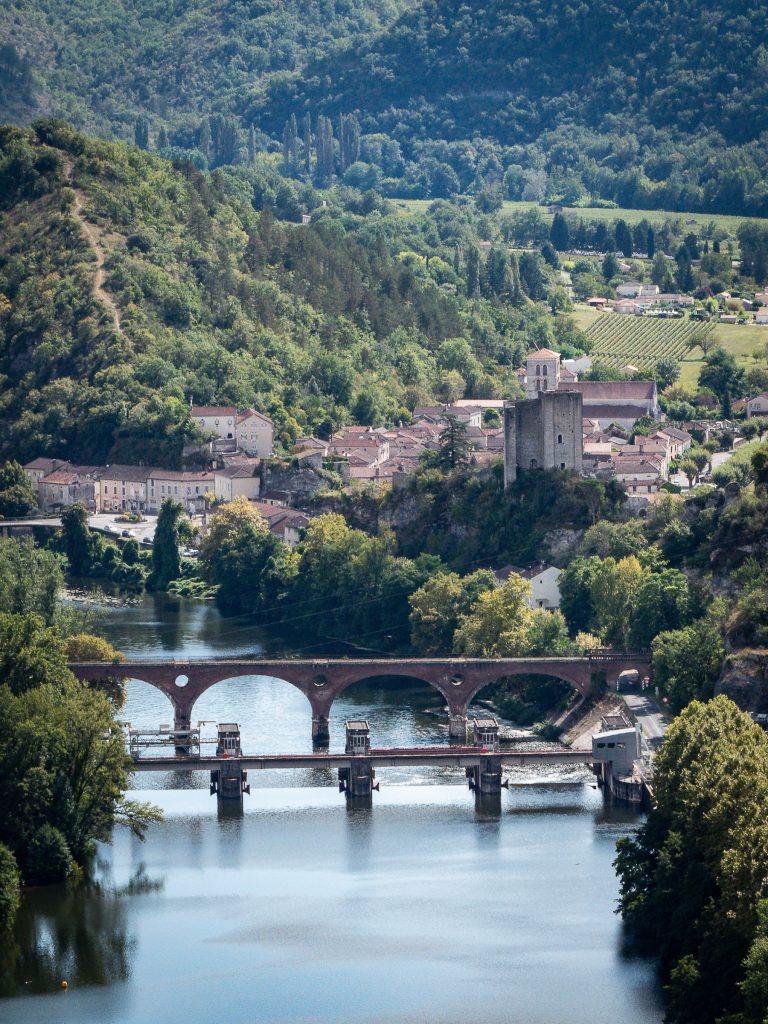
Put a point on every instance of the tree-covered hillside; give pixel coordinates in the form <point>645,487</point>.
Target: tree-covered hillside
<point>130,287</point>
<point>101,64</point>
<point>645,104</point>
<point>511,70</point>
<point>637,101</point>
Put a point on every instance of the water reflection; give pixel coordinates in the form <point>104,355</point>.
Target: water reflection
<point>298,906</point>
<point>76,932</point>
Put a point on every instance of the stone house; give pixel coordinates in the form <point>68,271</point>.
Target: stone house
<point>37,469</point>
<point>543,578</point>
<point>236,481</point>
<point>218,419</point>
<point>758,406</point>
<point>68,485</point>
<point>255,433</point>
<point>185,487</point>
<point>637,475</point>
<point>122,489</point>
<point>676,440</point>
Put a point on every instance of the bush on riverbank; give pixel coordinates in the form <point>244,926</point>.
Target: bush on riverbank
<point>10,888</point>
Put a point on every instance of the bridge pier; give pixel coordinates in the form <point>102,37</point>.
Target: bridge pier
<point>486,778</point>
<point>321,733</point>
<point>357,780</point>
<point>457,724</point>
<point>229,781</point>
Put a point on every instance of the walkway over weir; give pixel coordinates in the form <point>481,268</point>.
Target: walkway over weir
<point>439,757</point>
<point>321,681</point>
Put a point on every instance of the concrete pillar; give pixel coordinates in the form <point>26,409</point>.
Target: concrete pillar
<point>357,780</point>
<point>229,781</point>
<point>321,734</point>
<point>486,778</point>
<point>490,776</point>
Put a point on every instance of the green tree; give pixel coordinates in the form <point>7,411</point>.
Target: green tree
<point>497,626</point>
<point>575,585</point>
<point>60,743</point>
<point>235,553</point>
<point>141,132</point>
<point>548,634</point>
<point>31,654</point>
<point>80,546</point>
<point>17,496</point>
<point>686,661</point>
<point>438,606</point>
<point>614,594</point>
<point>723,376</point>
<point>662,602</point>
<point>454,443</point>
<point>10,889</point>
<point>31,579</point>
<point>610,266</point>
<point>623,238</point>
<point>166,559</point>
<point>667,371</point>
<point>559,234</point>
<point>693,875</point>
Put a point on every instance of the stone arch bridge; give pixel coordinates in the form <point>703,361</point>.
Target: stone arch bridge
<point>321,681</point>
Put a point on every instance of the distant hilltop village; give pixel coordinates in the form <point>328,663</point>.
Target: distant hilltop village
<point>562,423</point>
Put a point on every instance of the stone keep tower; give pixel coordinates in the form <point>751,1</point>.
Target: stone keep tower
<point>543,433</point>
<point>542,372</point>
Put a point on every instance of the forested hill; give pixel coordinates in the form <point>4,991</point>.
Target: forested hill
<point>101,63</point>
<point>647,103</point>
<point>513,70</point>
<point>130,286</point>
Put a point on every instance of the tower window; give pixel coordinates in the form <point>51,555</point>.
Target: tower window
<point>562,465</point>
<point>559,438</point>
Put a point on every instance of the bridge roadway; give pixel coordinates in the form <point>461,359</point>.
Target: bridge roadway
<point>321,681</point>
<point>379,757</point>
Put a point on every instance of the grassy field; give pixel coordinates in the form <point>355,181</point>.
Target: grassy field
<point>728,223</point>
<point>743,341</point>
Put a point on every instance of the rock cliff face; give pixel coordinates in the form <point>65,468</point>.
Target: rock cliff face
<point>744,679</point>
<point>562,545</point>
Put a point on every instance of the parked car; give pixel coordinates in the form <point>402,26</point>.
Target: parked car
<point>146,540</point>
<point>127,533</point>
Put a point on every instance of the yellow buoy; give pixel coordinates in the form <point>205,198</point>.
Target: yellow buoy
<point>65,984</point>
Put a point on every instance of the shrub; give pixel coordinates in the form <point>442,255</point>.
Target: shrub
<point>48,857</point>
<point>10,888</point>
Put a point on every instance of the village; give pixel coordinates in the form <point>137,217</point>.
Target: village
<point>596,438</point>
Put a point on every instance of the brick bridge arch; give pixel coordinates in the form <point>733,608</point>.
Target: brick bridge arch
<point>321,682</point>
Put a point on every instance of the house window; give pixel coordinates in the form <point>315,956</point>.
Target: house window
<point>534,463</point>
<point>538,369</point>
<point>545,371</point>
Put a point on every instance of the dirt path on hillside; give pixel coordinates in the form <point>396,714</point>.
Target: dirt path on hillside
<point>94,236</point>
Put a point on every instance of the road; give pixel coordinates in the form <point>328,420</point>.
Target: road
<point>105,521</point>
<point>649,716</point>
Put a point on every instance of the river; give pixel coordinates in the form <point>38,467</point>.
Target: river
<point>420,909</point>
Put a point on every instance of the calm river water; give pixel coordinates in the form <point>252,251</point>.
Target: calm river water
<point>421,909</point>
